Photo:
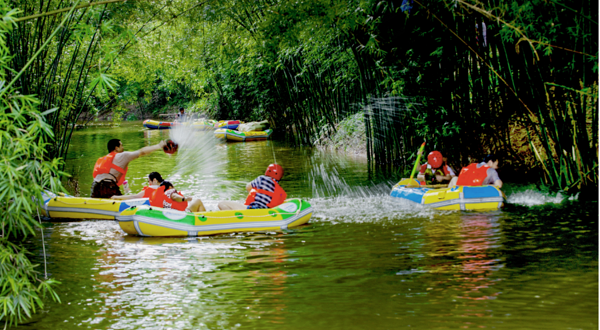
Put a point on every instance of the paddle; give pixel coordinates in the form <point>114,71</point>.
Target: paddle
<point>414,170</point>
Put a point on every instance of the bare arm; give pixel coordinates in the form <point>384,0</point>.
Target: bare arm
<point>138,195</point>
<point>178,198</point>
<point>498,183</point>
<point>146,150</point>
<point>249,186</point>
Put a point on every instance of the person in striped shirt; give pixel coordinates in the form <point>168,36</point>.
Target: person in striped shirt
<point>263,192</point>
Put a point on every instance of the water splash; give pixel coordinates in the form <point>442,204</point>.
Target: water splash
<point>532,197</point>
<point>198,167</point>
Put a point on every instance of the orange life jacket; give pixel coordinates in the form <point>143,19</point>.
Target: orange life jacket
<point>104,164</point>
<point>148,191</point>
<point>277,197</point>
<point>472,176</point>
<point>159,199</point>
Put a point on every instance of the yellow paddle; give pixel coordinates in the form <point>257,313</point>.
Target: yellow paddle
<point>410,181</point>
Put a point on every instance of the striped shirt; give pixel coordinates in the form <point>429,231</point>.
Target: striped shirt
<point>265,183</point>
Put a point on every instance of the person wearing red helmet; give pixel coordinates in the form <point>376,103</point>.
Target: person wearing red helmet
<point>263,192</point>
<point>436,170</point>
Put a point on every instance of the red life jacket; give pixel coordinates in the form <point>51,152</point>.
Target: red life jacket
<point>472,176</point>
<point>104,164</point>
<point>148,191</point>
<point>444,169</point>
<point>277,197</point>
<point>158,199</point>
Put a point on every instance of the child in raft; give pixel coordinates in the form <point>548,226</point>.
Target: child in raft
<point>167,197</point>
<point>154,181</point>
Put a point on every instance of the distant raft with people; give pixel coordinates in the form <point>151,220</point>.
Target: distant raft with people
<point>227,124</point>
<point>237,136</point>
<point>155,124</point>
<point>464,198</point>
<point>156,221</point>
<point>63,206</point>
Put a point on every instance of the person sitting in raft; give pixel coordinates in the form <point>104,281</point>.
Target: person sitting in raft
<point>484,173</point>
<point>154,181</point>
<point>181,116</point>
<point>435,171</point>
<point>167,197</point>
<point>110,170</point>
<point>264,192</point>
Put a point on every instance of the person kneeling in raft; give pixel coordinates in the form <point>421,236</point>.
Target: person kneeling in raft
<point>436,170</point>
<point>110,170</point>
<point>484,173</point>
<point>154,181</point>
<point>264,192</point>
<point>167,197</point>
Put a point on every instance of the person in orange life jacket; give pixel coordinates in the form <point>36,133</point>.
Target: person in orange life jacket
<point>110,170</point>
<point>154,180</point>
<point>484,173</point>
<point>167,197</point>
<point>264,192</point>
<point>435,170</point>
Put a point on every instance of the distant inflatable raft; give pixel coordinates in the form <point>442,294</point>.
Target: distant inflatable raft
<point>69,207</point>
<point>479,198</point>
<point>227,124</point>
<point>155,221</point>
<point>237,136</point>
<point>155,124</point>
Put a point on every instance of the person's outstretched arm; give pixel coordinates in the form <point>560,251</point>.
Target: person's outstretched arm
<point>138,195</point>
<point>146,150</point>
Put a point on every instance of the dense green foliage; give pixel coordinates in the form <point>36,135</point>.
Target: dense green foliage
<point>24,174</point>
<point>526,89</point>
<point>524,86</point>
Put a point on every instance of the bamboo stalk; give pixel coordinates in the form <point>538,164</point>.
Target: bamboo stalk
<point>62,10</point>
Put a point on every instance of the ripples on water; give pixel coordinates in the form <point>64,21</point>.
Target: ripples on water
<point>364,261</point>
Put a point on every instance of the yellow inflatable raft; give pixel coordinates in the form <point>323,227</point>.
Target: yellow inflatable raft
<point>237,136</point>
<point>463,198</point>
<point>69,207</point>
<point>155,221</point>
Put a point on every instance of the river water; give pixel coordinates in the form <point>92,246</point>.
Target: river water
<point>364,260</point>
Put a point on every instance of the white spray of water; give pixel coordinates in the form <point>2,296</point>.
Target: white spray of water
<point>197,167</point>
<point>532,197</point>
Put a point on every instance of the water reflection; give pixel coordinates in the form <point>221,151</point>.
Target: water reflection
<point>365,261</point>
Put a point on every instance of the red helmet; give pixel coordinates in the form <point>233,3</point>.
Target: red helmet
<point>435,159</point>
<point>275,171</point>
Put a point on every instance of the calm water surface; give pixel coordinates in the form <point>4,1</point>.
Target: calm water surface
<point>364,261</point>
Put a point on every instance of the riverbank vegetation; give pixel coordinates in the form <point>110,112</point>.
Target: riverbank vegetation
<point>471,78</point>
<point>514,78</point>
<point>25,171</point>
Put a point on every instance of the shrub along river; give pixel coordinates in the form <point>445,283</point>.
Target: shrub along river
<point>364,260</point>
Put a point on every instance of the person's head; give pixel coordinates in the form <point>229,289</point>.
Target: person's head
<point>435,159</point>
<point>115,145</point>
<point>492,161</point>
<point>168,185</point>
<point>274,171</point>
<point>181,110</point>
<point>155,178</point>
